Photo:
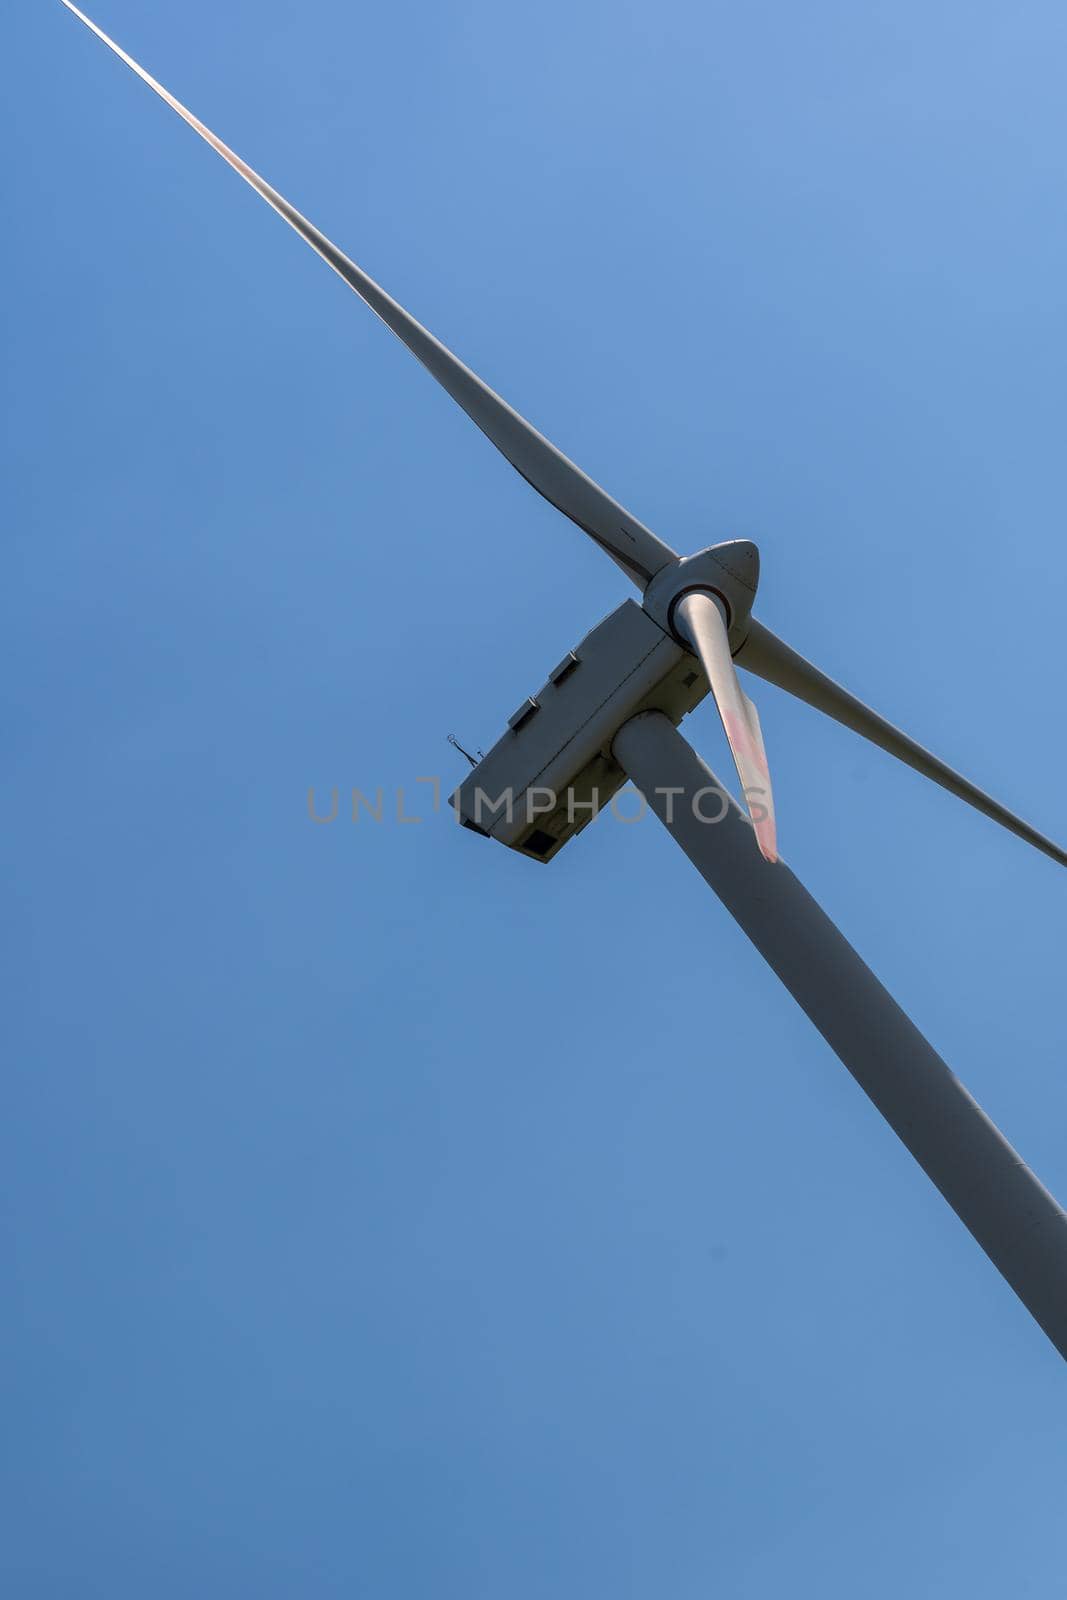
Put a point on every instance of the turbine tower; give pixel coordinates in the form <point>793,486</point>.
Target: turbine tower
<point>610,710</point>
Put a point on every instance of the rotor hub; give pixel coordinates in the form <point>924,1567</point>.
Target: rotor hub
<point>730,571</point>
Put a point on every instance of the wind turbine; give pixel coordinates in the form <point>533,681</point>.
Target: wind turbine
<point>610,709</point>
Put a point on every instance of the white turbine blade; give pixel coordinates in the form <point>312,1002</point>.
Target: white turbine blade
<point>770,658</point>
<point>629,543</point>
<point>701,618</point>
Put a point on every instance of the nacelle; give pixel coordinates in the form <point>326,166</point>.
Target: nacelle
<point>544,781</point>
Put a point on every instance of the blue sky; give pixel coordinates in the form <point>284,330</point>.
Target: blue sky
<point>387,1215</point>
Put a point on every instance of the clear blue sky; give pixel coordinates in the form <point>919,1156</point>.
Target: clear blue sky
<point>387,1215</point>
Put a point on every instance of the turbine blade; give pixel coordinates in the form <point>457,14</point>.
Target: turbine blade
<point>770,658</point>
<point>1008,1211</point>
<point>701,618</point>
<point>630,544</point>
